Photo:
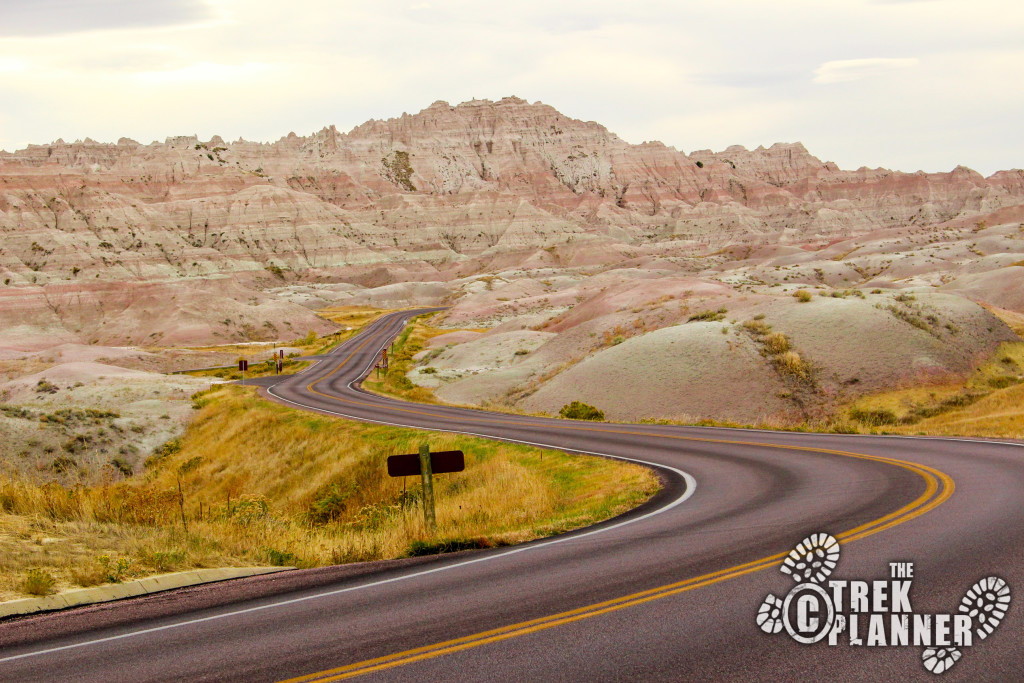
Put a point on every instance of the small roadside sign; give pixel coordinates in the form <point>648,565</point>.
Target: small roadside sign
<point>243,365</point>
<point>426,464</point>
<point>442,462</point>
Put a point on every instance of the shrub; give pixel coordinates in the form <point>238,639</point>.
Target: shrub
<point>166,450</point>
<point>791,363</point>
<point>874,417</point>
<point>39,582</point>
<point>802,295</point>
<point>114,571</point>
<point>757,326</point>
<point>577,410</point>
<point>250,509</point>
<point>122,466</point>
<point>709,316</point>
<point>776,343</point>
<point>281,558</point>
<point>329,505</point>
<point>45,387</point>
<point>63,463</point>
<point>166,560</point>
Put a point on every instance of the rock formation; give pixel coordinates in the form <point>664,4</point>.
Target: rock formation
<point>203,229</point>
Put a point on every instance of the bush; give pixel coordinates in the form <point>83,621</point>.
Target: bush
<point>122,466</point>
<point>791,363</point>
<point>45,387</point>
<point>330,504</point>
<point>577,410</point>
<point>874,417</point>
<point>709,316</point>
<point>776,343</point>
<point>282,558</point>
<point>62,464</point>
<point>166,450</point>
<point>802,295</point>
<point>39,582</point>
<point>166,560</point>
<point>114,571</point>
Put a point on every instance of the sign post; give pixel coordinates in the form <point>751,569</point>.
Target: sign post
<point>243,365</point>
<point>428,488</point>
<point>426,464</point>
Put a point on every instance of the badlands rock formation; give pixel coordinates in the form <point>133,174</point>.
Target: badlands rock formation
<point>211,241</point>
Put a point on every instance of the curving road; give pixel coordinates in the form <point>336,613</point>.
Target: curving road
<point>667,592</point>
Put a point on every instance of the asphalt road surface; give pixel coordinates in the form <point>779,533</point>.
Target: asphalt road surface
<point>669,592</point>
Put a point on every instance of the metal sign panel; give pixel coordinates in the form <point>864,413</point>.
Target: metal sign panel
<point>408,465</point>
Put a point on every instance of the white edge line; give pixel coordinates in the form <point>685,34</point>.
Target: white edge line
<point>691,487</point>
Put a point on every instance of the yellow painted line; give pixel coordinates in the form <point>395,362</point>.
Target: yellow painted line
<point>939,486</point>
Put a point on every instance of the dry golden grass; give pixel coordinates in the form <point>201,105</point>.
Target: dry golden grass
<point>776,343</point>
<point>1013,319</point>
<point>989,403</point>
<point>1000,414</point>
<point>264,484</point>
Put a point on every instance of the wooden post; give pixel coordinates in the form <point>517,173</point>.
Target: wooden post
<point>181,504</point>
<point>428,488</point>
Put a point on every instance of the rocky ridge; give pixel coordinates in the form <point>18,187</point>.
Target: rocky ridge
<point>91,229</point>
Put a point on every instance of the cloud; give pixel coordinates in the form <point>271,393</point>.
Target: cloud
<point>845,70</point>
<point>54,17</point>
<point>694,75</point>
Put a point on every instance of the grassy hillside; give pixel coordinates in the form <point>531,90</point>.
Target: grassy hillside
<point>989,403</point>
<point>254,483</point>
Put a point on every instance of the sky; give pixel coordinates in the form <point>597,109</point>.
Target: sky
<point>903,84</point>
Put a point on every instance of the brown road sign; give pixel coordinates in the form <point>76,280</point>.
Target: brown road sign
<point>408,465</point>
<point>243,365</point>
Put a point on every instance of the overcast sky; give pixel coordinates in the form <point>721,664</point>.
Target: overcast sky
<point>905,84</point>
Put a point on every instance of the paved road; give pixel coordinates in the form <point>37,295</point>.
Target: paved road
<point>669,592</point>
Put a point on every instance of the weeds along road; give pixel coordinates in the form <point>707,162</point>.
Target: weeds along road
<point>670,591</point>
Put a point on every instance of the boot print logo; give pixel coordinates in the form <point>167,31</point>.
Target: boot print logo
<point>876,613</point>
